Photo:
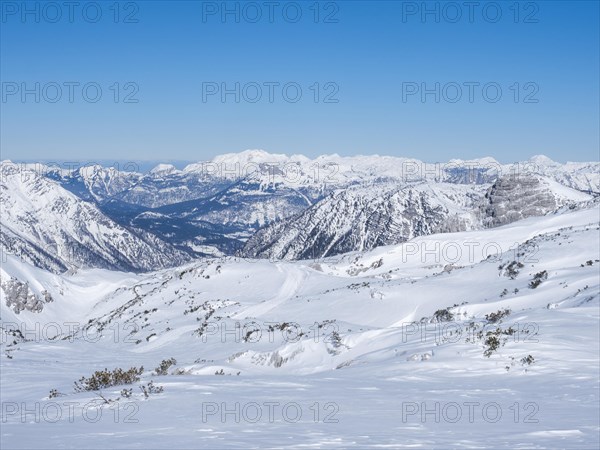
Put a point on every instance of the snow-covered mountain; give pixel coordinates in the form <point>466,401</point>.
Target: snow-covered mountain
<point>166,185</point>
<point>344,352</point>
<point>54,229</point>
<point>478,295</point>
<point>583,176</point>
<point>214,208</point>
<point>366,217</point>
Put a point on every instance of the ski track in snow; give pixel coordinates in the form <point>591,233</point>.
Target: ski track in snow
<point>294,276</point>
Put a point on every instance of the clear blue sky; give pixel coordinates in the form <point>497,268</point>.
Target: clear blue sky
<point>370,50</point>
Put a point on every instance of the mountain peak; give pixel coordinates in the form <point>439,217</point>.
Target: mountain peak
<point>479,162</point>
<point>163,169</point>
<point>257,156</point>
<point>542,160</point>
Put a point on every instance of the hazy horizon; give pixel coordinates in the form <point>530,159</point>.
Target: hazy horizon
<point>146,165</point>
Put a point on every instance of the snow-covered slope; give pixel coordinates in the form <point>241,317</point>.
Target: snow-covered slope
<point>366,217</point>
<point>502,323</point>
<point>46,225</point>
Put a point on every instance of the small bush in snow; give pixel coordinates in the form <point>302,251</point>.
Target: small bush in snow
<point>527,360</point>
<point>150,388</point>
<point>164,366</point>
<point>105,378</point>
<point>492,342</point>
<point>512,269</point>
<point>335,339</point>
<point>126,393</point>
<point>537,279</point>
<point>54,393</point>
<point>443,315</point>
<point>497,316</point>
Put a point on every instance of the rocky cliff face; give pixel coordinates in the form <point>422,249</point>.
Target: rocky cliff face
<point>514,198</point>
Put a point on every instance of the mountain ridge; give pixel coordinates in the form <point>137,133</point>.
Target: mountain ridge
<point>218,207</point>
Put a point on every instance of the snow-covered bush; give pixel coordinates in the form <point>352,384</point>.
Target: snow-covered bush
<point>105,378</point>
<point>527,360</point>
<point>442,315</point>
<point>497,316</point>
<point>512,269</point>
<point>164,366</point>
<point>537,279</point>
<point>150,388</point>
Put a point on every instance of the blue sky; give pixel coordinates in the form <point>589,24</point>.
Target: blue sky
<point>373,55</point>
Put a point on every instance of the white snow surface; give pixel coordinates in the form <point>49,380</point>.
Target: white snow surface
<point>360,363</point>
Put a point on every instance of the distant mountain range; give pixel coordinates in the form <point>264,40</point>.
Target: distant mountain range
<point>257,204</point>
